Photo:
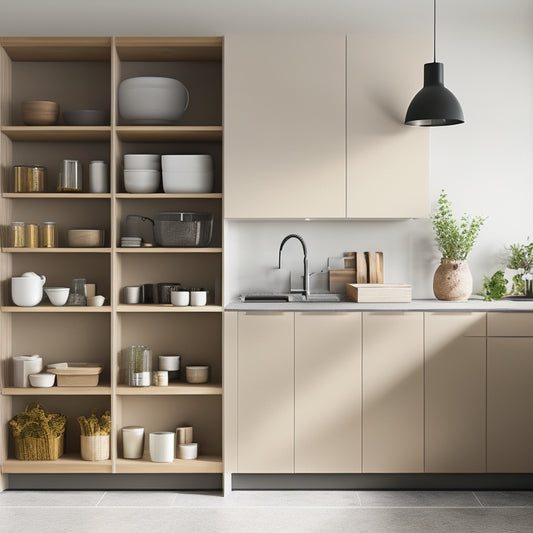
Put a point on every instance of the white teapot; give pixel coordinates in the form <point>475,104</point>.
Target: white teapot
<point>27,290</point>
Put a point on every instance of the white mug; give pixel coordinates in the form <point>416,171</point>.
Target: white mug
<point>132,294</point>
<point>198,297</point>
<point>132,442</point>
<point>98,177</point>
<point>162,446</point>
<point>27,290</point>
<point>179,298</point>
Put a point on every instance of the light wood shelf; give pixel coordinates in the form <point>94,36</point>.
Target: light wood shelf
<point>173,389</point>
<point>168,308</point>
<point>169,133</point>
<point>203,465</point>
<point>167,250</point>
<point>58,195</point>
<point>57,48</point>
<point>167,195</point>
<point>54,309</point>
<point>169,48</point>
<point>100,390</point>
<point>66,464</point>
<point>58,133</point>
<point>57,250</point>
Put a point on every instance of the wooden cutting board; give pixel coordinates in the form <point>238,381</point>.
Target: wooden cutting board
<point>379,292</point>
<point>375,267</point>
<point>339,278</point>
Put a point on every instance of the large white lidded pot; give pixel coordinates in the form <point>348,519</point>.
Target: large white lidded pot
<point>27,290</point>
<point>152,99</point>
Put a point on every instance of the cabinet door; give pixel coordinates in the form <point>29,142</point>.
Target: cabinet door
<point>265,416</point>
<point>327,411</point>
<point>284,126</point>
<point>455,378</point>
<point>393,392</point>
<point>510,405</point>
<point>387,162</point>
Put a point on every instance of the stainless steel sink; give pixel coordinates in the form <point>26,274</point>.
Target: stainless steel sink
<point>290,298</point>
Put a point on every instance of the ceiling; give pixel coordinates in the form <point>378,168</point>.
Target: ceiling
<point>219,17</point>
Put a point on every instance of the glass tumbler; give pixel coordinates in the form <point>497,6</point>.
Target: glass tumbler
<point>139,366</point>
<point>77,292</point>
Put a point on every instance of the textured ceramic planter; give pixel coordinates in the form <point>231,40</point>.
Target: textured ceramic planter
<point>452,281</point>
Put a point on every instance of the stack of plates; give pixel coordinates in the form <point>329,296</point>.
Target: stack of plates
<point>130,242</point>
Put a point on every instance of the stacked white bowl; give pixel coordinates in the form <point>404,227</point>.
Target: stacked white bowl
<point>187,173</point>
<point>142,173</point>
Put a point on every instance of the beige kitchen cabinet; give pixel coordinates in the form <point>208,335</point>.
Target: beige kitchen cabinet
<point>393,392</point>
<point>327,393</point>
<point>265,390</point>
<point>82,73</point>
<point>387,162</point>
<point>509,393</point>
<point>284,126</point>
<point>455,392</point>
<point>314,127</point>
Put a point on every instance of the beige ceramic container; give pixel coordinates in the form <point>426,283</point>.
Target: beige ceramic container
<point>39,112</point>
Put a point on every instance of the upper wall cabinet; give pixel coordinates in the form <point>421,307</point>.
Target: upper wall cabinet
<point>313,127</point>
<point>387,162</point>
<point>284,125</point>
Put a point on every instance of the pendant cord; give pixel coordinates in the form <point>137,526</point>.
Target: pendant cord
<point>434,31</point>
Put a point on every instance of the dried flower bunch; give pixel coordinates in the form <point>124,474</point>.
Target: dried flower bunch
<point>35,421</point>
<point>454,239</point>
<point>94,426</point>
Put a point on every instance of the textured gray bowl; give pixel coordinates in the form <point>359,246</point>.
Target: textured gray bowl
<point>86,117</point>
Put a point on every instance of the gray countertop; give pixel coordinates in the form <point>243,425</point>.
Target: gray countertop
<point>416,305</point>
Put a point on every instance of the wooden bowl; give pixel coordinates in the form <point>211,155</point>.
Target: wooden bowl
<point>39,112</point>
<point>85,238</point>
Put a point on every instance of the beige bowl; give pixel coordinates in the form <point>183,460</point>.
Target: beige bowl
<point>197,374</point>
<point>39,112</point>
<point>85,238</point>
<point>95,301</point>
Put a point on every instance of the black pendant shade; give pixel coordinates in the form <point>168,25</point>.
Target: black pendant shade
<point>434,105</point>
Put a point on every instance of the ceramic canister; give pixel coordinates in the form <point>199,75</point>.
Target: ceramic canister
<point>132,442</point>
<point>162,446</point>
<point>23,366</point>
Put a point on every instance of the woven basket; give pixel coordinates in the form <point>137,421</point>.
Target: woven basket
<point>94,448</point>
<point>38,449</point>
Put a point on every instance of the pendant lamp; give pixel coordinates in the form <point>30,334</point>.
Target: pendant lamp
<point>434,105</point>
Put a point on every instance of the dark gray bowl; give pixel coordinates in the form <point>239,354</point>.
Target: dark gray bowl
<point>86,117</point>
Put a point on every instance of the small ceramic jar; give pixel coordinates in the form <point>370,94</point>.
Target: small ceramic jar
<point>198,297</point>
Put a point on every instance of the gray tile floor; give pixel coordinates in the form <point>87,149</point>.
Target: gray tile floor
<point>266,511</point>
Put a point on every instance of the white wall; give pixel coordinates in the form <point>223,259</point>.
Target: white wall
<point>485,166</point>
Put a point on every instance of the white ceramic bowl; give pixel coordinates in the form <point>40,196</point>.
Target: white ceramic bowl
<point>187,162</point>
<point>57,295</point>
<point>42,380</point>
<point>142,181</point>
<point>96,301</point>
<point>197,374</point>
<point>187,182</point>
<point>142,161</point>
<point>152,100</point>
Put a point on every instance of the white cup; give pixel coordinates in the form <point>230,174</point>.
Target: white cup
<point>132,294</point>
<point>132,442</point>
<point>198,297</point>
<point>162,446</point>
<point>98,177</point>
<point>180,298</point>
<point>188,451</point>
<point>27,291</point>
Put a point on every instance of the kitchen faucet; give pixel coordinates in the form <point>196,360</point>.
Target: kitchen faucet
<point>306,269</point>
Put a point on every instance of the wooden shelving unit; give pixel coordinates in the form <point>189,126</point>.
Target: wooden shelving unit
<point>89,71</point>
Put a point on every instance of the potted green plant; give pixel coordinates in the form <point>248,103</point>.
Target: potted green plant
<point>95,432</point>
<point>521,260</point>
<point>455,239</point>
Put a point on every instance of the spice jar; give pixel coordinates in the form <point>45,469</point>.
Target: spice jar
<point>29,178</point>
<point>139,366</point>
<point>48,235</point>
<point>17,235</point>
<point>31,234</point>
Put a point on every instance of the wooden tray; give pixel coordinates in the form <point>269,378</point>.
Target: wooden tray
<point>379,292</point>
<point>77,375</point>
